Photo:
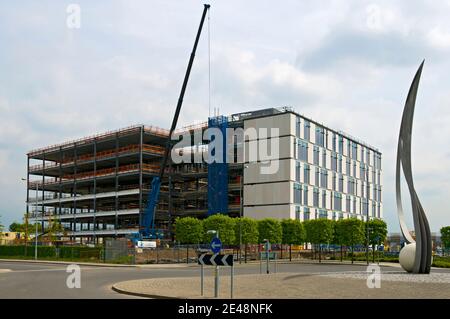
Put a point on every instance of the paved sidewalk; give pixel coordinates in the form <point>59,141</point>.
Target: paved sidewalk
<point>352,285</point>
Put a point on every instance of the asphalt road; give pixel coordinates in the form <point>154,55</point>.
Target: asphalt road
<point>30,280</point>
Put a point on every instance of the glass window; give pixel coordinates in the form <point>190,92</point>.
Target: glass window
<point>297,171</point>
<point>348,203</point>
<point>341,145</point>
<point>303,151</point>
<point>324,199</point>
<point>320,136</point>
<point>334,162</point>
<point>324,178</point>
<point>339,169</point>
<point>306,130</point>
<point>316,155</point>
<point>323,213</point>
<point>297,193</point>
<point>362,154</point>
<point>297,212</point>
<point>365,206</point>
<point>317,177</point>
<point>341,183</point>
<point>306,174</point>
<point>334,181</point>
<point>316,197</point>
<point>347,168</point>
<point>337,201</point>
<point>305,195</point>
<point>298,127</point>
<point>306,213</point>
<point>324,158</point>
<point>333,143</point>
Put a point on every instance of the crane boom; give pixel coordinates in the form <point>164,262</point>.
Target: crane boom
<point>147,229</point>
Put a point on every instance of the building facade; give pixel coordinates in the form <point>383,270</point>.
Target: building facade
<point>98,186</point>
<point>322,173</point>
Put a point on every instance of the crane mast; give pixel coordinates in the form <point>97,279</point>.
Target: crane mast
<point>147,227</point>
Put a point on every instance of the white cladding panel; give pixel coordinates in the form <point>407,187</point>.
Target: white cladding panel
<point>254,172</point>
<point>270,193</point>
<point>268,148</point>
<point>273,211</point>
<point>285,123</point>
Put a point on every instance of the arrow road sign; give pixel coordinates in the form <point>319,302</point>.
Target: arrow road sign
<point>215,260</point>
<point>216,245</point>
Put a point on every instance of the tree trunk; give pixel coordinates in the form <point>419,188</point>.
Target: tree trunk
<point>245,253</point>
<point>373,253</point>
<point>353,255</point>
<point>341,253</point>
<point>187,254</point>
<point>320,253</point>
<point>290,252</point>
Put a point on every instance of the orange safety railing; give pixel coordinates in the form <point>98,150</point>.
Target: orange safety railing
<point>84,140</point>
<point>152,168</point>
<point>108,153</point>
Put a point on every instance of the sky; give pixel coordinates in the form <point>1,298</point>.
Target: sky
<point>347,64</point>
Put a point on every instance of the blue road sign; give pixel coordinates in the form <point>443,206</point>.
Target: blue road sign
<point>216,245</point>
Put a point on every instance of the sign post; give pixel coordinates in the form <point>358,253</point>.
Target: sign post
<point>201,271</point>
<point>217,260</point>
<point>216,247</point>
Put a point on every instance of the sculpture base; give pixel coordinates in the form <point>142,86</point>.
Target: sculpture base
<point>407,256</point>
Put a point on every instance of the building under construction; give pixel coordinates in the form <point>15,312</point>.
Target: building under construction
<point>98,186</point>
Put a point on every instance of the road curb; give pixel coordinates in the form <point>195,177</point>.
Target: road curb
<point>138,294</point>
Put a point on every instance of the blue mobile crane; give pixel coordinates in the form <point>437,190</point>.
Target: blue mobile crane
<point>147,228</point>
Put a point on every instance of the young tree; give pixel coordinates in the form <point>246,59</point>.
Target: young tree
<point>188,230</point>
<point>339,234</point>
<point>377,233</point>
<point>445,237</point>
<point>224,224</point>
<point>246,232</point>
<point>293,233</point>
<point>351,231</point>
<point>320,231</point>
<point>270,229</point>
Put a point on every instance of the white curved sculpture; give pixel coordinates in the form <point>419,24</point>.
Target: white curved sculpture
<point>415,256</point>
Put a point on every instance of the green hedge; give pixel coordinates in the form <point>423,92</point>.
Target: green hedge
<point>65,252</point>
